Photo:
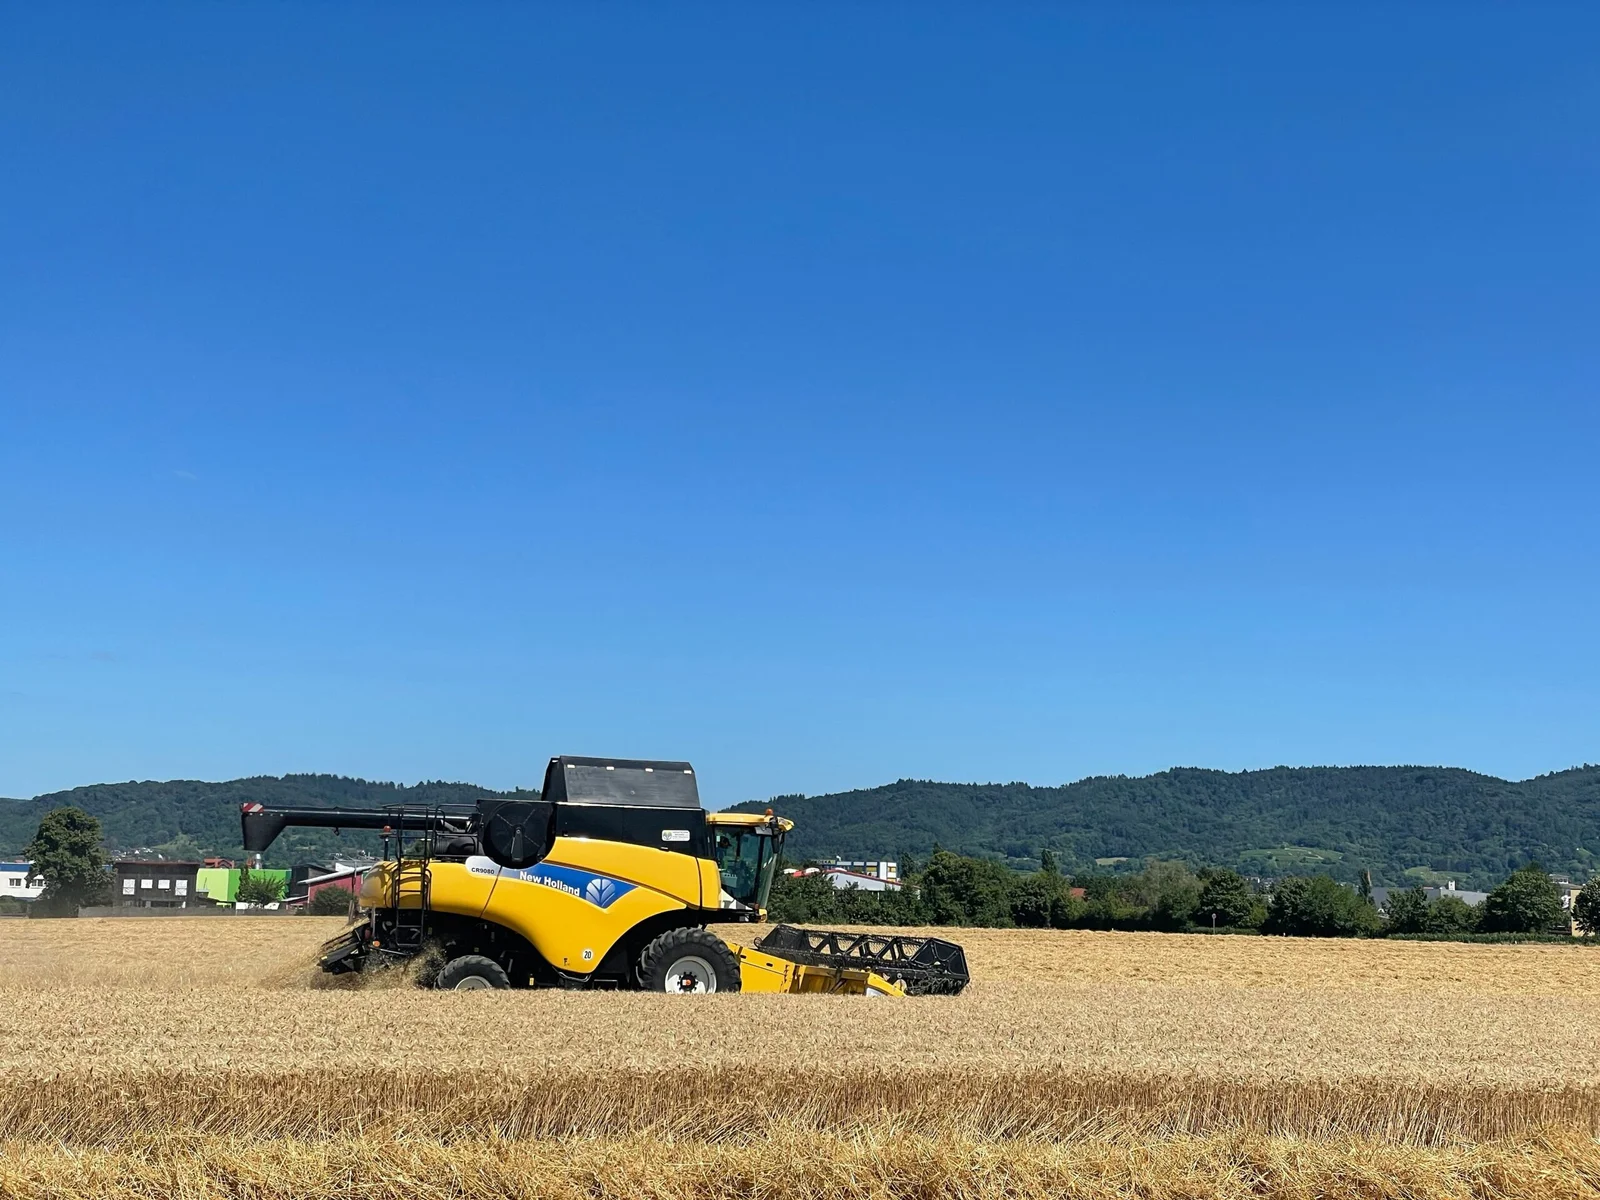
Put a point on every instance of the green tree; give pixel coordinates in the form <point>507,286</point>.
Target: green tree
<point>1586,908</point>
<point>860,906</point>
<point>1317,906</point>
<point>1168,892</point>
<point>1527,902</point>
<point>258,889</point>
<point>1228,896</point>
<point>331,902</point>
<point>1108,903</point>
<point>966,891</point>
<point>804,900</point>
<point>1047,862</point>
<point>1451,915</point>
<point>1032,897</point>
<point>1068,911</point>
<point>66,854</point>
<point>1407,911</point>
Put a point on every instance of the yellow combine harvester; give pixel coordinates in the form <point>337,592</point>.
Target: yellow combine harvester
<point>608,879</point>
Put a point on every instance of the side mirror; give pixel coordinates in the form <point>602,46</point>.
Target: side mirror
<point>516,833</point>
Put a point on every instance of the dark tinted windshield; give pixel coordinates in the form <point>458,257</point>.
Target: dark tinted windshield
<point>746,860</point>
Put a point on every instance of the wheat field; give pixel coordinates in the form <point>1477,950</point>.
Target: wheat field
<point>204,1057</point>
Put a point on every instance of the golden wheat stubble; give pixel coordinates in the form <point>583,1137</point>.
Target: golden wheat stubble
<point>1334,1068</point>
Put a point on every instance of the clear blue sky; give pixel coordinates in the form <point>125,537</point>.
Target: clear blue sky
<point>824,395</point>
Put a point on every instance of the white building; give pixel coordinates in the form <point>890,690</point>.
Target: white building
<point>875,868</point>
<point>1381,895</point>
<point>14,881</point>
<point>867,875</point>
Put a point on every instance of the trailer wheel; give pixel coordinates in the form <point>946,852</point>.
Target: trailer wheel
<point>471,972</point>
<point>688,962</point>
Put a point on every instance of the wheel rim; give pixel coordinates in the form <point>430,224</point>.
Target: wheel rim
<point>691,975</point>
<point>473,983</point>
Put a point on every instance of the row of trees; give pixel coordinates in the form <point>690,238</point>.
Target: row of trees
<point>953,890</point>
<point>1527,902</point>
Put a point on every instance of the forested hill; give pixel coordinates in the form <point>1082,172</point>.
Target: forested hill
<point>1391,820</point>
<point>184,818</point>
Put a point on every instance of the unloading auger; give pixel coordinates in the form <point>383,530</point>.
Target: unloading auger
<point>609,879</point>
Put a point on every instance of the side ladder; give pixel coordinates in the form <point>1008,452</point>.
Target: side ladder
<point>411,877</point>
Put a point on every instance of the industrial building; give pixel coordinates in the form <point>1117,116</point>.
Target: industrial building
<point>154,883</point>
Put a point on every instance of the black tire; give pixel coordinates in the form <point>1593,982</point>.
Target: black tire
<point>471,972</point>
<point>688,962</point>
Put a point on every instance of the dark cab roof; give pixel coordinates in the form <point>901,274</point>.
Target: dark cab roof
<point>620,782</point>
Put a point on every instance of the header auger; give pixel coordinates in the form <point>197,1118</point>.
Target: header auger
<point>608,879</point>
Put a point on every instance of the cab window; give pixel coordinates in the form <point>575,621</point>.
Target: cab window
<point>739,861</point>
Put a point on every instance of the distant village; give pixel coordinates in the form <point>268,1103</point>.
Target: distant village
<point>156,885</point>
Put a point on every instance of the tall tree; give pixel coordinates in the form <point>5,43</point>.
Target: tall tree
<point>1032,897</point>
<point>1228,897</point>
<point>1452,914</point>
<point>966,891</point>
<point>66,854</point>
<point>1407,911</point>
<point>1168,892</point>
<point>1527,902</point>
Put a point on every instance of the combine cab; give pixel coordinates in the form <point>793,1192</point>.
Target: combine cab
<point>608,879</point>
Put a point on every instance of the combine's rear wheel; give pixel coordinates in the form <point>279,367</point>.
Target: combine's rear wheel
<point>471,972</point>
<point>688,962</point>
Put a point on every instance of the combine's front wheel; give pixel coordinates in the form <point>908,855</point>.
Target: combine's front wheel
<point>471,972</point>
<point>688,962</point>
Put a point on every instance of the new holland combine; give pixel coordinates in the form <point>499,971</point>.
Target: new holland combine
<point>609,879</point>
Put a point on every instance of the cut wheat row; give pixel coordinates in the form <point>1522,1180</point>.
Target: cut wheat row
<point>801,1165</point>
<point>92,1108</point>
